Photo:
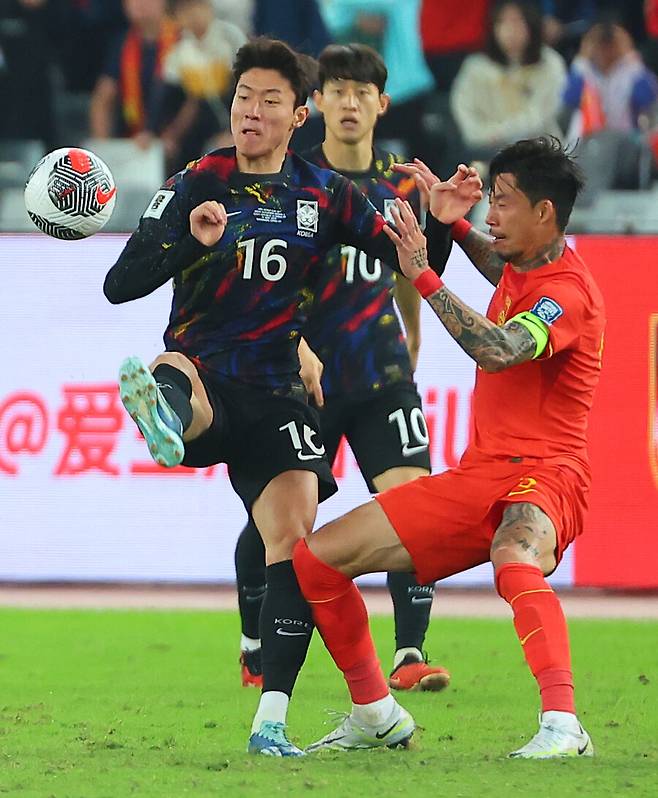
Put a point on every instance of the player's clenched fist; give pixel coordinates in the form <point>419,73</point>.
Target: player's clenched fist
<point>208,222</point>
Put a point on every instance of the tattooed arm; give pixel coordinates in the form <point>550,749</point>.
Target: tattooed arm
<point>493,348</point>
<point>477,245</point>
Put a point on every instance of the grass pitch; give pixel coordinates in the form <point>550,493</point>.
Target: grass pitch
<point>122,703</point>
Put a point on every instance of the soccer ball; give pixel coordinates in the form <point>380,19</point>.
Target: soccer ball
<point>70,194</point>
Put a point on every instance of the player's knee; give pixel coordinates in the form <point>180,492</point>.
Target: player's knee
<point>508,552</point>
<point>175,359</point>
<point>522,550</point>
<point>280,541</point>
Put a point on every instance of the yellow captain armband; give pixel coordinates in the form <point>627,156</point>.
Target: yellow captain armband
<point>536,327</point>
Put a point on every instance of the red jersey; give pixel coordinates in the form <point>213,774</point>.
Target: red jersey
<point>540,408</point>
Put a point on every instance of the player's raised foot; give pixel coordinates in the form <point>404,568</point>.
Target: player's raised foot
<point>352,734</point>
<point>271,740</point>
<point>251,668</point>
<point>160,426</point>
<point>560,735</point>
<point>415,674</point>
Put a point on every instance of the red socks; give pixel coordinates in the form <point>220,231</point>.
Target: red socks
<point>542,631</point>
<point>342,620</point>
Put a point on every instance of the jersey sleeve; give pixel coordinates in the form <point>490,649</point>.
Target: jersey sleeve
<point>563,308</point>
<point>161,246</point>
<point>362,225</point>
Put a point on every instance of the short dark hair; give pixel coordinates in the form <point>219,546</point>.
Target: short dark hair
<point>532,16</point>
<point>352,62</point>
<point>263,53</point>
<point>543,169</point>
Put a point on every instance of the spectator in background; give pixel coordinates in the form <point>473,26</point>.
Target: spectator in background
<point>197,78</point>
<point>124,99</point>
<point>299,23</point>
<point>86,30</point>
<point>612,96</point>
<point>512,90</point>
<point>564,23</point>
<point>650,49</point>
<point>238,12</point>
<point>26,92</point>
<point>392,28</point>
<point>449,31</point>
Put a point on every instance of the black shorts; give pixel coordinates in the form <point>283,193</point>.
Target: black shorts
<point>259,434</point>
<point>384,430</point>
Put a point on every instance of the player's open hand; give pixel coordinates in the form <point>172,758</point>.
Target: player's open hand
<point>422,174</point>
<point>311,372</point>
<point>409,240</point>
<point>447,200</point>
<point>454,198</point>
<point>208,222</point>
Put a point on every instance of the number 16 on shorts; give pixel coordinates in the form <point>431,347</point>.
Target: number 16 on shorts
<point>414,437</point>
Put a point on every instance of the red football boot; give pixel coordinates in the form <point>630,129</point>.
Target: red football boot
<point>412,674</point>
<point>251,669</point>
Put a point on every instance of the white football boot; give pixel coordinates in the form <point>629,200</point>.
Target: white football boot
<point>560,735</point>
<point>353,734</point>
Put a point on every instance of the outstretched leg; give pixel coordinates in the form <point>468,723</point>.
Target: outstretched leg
<point>363,541</point>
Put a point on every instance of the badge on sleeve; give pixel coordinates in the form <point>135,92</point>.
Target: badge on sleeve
<point>547,310</point>
<point>157,205</point>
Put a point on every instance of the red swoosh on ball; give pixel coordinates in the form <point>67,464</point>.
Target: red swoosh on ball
<point>103,197</point>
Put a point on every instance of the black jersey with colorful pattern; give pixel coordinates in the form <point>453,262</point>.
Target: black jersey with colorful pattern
<point>238,307</point>
<point>353,327</point>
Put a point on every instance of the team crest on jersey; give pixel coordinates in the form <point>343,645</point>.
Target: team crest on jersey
<point>547,310</point>
<point>389,204</point>
<point>653,396</point>
<point>307,217</point>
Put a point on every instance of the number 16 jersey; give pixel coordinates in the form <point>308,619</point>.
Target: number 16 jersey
<point>239,306</point>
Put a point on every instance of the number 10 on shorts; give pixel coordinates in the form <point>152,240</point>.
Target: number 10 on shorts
<point>416,426</point>
<point>303,441</point>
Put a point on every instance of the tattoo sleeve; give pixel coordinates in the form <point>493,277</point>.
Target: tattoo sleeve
<point>477,245</point>
<point>493,348</point>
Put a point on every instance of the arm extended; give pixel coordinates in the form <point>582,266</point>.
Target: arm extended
<point>493,348</point>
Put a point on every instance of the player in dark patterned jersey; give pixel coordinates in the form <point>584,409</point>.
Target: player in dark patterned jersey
<point>243,232</point>
<point>366,392</point>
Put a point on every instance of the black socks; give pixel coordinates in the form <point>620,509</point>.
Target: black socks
<point>176,389</point>
<point>412,604</point>
<point>286,626</point>
<point>250,577</point>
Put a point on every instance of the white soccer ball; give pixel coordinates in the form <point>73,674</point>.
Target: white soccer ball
<point>70,193</point>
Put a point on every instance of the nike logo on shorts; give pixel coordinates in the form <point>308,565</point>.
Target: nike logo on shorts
<point>291,634</point>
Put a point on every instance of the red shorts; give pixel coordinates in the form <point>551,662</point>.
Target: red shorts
<point>447,521</point>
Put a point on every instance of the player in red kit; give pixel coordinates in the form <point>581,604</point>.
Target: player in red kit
<point>519,494</point>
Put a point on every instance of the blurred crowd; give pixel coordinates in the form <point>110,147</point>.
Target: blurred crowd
<point>464,78</point>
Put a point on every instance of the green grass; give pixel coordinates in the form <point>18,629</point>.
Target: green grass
<point>116,704</point>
